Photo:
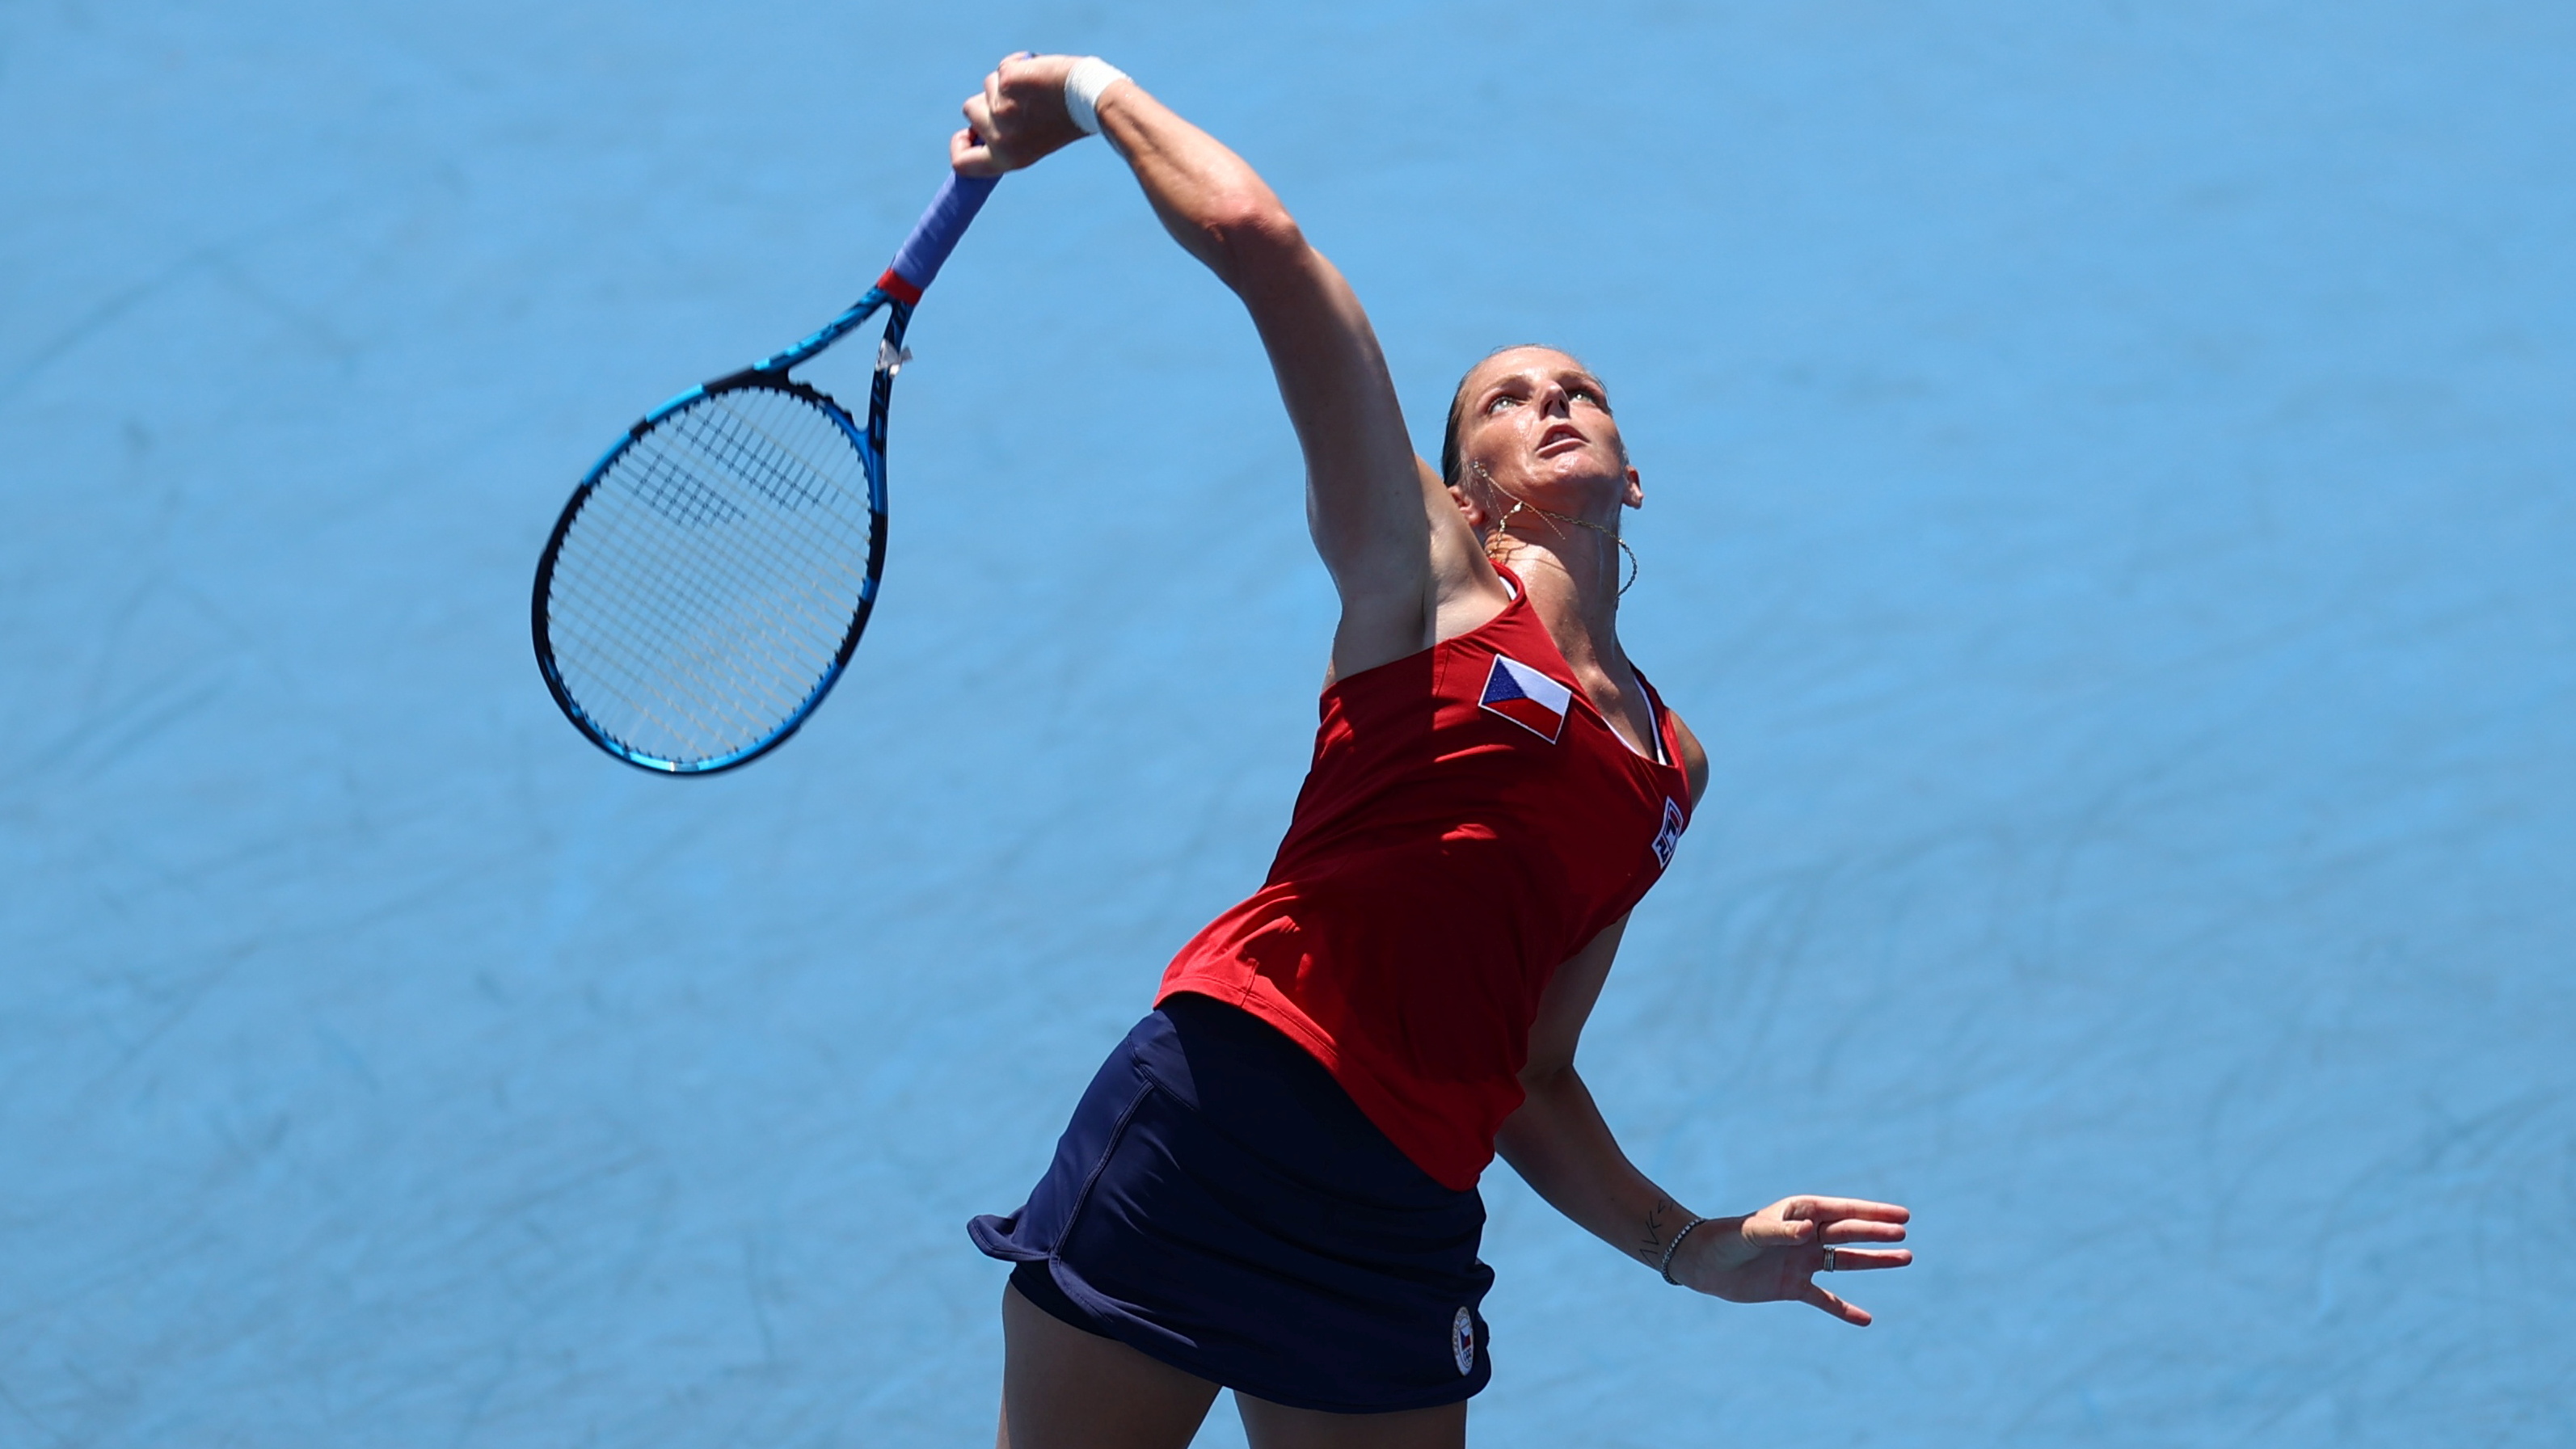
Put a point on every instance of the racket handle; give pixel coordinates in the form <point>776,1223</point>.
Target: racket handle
<point>917,261</point>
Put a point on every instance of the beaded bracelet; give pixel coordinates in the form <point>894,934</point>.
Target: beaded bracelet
<point>1666,1266</point>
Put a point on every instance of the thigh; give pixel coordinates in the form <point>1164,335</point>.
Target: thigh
<point>1063,1388</point>
<point>1276,1426</point>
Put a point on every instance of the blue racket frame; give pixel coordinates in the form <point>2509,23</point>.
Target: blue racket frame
<point>916,264</point>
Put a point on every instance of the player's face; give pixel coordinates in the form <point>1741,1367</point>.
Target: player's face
<point>1539,425</point>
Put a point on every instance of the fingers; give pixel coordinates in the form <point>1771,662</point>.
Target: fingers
<point>978,150</point>
<point>969,156</point>
<point>1766,1229</point>
<point>1829,1209</point>
<point>1855,1260</point>
<point>1820,1220</point>
<point>1853,1314</point>
<point>1017,117</point>
<point>970,151</point>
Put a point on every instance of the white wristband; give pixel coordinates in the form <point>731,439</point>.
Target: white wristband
<point>1082,87</point>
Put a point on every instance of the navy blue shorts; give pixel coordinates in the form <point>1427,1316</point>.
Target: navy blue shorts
<point>1218,1203</point>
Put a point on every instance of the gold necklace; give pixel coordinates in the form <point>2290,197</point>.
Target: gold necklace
<point>1502,526</point>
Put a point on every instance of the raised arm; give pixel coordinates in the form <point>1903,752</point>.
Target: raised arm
<point>1393,541</point>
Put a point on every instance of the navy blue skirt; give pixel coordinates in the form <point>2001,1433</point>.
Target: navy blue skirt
<point>1218,1203</point>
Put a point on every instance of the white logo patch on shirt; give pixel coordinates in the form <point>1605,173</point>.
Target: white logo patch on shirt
<point>1668,839</point>
<point>1527,698</point>
<point>1462,1341</point>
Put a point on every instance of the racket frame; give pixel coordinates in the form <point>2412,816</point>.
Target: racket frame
<point>896,292</point>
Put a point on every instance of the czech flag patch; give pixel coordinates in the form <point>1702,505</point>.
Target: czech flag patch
<point>1527,698</point>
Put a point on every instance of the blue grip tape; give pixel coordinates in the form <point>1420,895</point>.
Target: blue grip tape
<point>935,235</point>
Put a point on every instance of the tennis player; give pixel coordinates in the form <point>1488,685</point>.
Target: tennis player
<point>1270,1186</point>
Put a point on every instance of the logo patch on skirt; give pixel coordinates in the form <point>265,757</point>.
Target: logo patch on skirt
<point>1462,1341</point>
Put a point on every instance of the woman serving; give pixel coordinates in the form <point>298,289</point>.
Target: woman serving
<point>1270,1185</point>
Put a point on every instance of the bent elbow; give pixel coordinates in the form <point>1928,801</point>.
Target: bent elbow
<point>1254,236</point>
<point>1542,1079</point>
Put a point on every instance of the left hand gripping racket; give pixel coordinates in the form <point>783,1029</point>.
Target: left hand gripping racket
<point>705,585</point>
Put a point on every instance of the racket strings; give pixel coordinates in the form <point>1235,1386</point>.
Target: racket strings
<point>642,662</point>
<point>758,642</point>
<point>702,593</point>
<point>717,570</point>
<point>788,488</point>
<point>709,703</point>
<point>688,711</point>
<point>681,498</point>
<point>706,688</point>
<point>718,582</point>
<point>774,465</point>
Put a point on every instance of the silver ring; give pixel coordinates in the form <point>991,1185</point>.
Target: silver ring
<point>1829,1260</point>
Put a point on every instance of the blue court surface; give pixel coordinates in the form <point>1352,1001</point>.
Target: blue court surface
<point>2111,477</point>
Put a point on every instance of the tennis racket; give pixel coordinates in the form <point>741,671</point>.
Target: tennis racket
<point>705,585</point>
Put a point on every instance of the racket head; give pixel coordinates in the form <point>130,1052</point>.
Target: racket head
<point>704,586</point>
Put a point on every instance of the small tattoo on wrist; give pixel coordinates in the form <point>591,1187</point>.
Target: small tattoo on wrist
<point>1652,1249</point>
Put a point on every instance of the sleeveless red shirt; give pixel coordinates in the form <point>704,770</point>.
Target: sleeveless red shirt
<point>1470,821</point>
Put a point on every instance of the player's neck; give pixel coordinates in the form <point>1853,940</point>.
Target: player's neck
<point>1575,591</point>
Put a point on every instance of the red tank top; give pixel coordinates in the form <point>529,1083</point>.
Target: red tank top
<point>1470,821</point>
